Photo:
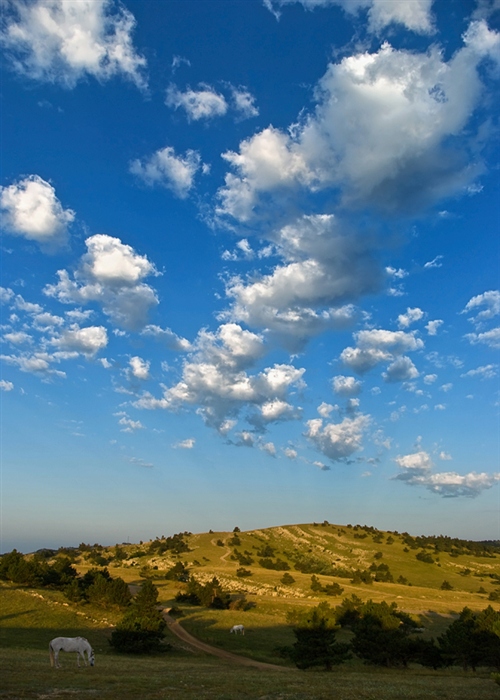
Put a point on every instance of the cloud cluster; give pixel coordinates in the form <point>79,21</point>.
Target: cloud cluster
<point>63,41</point>
<point>110,274</point>
<point>489,305</point>
<point>387,132</point>
<point>416,470</point>
<point>415,15</point>
<point>31,209</point>
<point>216,380</point>
<point>206,103</point>
<point>323,268</point>
<point>381,346</point>
<point>338,441</point>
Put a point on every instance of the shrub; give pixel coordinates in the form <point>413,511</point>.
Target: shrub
<point>141,631</point>
<point>446,586</point>
<point>287,579</point>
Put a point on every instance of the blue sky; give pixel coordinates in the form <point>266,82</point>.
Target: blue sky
<point>249,267</point>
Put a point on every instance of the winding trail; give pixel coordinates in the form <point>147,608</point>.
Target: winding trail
<point>181,633</point>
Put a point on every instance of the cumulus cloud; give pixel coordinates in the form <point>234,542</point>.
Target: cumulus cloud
<point>401,370</point>
<point>338,441</point>
<point>166,336</point>
<point>324,267</point>
<point>187,444</point>
<point>376,346</point>
<point>86,341</point>
<point>243,102</point>
<point>484,372</point>
<point>215,378</point>
<point>63,41</point>
<point>489,303</point>
<point>31,209</point>
<point>37,363</point>
<point>139,368</point>
<point>5,385</point>
<point>415,16</point>
<point>128,425</point>
<point>204,103</point>
<point>416,470</point>
<point>490,338</point>
<point>346,386</point>
<point>110,274</point>
<point>387,132</point>
<point>165,168</point>
<point>411,316</point>
<point>432,327</point>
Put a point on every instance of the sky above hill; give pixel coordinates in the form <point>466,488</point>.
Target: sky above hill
<point>250,267</point>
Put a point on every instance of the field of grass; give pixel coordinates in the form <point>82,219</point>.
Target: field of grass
<point>30,618</point>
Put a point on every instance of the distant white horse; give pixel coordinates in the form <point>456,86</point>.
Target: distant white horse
<point>78,644</point>
<point>237,629</point>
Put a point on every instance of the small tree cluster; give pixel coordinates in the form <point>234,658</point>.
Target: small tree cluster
<point>210,594</point>
<point>141,631</point>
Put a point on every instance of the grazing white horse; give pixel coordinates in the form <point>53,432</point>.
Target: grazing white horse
<point>237,629</point>
<point>78,644</point>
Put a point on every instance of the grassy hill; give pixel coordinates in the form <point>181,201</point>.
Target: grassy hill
<point>352,557</point>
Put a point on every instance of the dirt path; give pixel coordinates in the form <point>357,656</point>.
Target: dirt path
<point>181,633</point>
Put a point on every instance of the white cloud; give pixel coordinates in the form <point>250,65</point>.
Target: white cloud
<point>324,409</point>
<point>31,209</point>
<point>38,363</point>
<point>415,15</point>
<point>168,337</point>
<point>411,316</point>
<point>244,103</point>
<point>204,103</point>
<point>111,274</point>
<point>490,300</point>
<point>490,338</point>
<point>430,378</point>
<point>165,168</point>
<point>129,425</point>
<point>484,372</point>
<point>268,447</point>
<point>63,41</point>
<point>215,378</point>
<point>18,338</point>
<point>417,471</point>
<point>187,444</point>
<point>87,341</point>
<point>338,441</point>
<point>436,262</point>
<point>346,386</point>
<point>401,370</point>
<point>5,385</point>
<point>290,453</point>
<point>433,326</point>
<point>387,131</point>
<point>376,346</point>
<point>139,368</point>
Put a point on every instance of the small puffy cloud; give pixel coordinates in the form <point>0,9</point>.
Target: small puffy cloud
<point>484,372</point>
<point>30,208</point>
<point>430,378</point>
<point>446,387</point>
<point>411,316</point>
<point>187,444</point>
<point>376,346</point>
<point>290,453</point>
<point>18,338</point>
<point>346,386</point>
<point>37,363</point>
<point>415,463</point>
<point>433,326</point>
<point>204,103</point>
<point>401,370</point>
<point>445,456</point>
<point>244,103</point>
<point>338,441</point>
<point>139,368</point>
<point>111,274</point>
<point>324,409</point>
<point>63,41</point>
<point>87,341</point>
<point>489,303</point>
<point>490,338</point>
<point>165,168</point>
<point>5,385</point>
<point>268,447</point>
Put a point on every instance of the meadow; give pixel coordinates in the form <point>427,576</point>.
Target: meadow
<point>29,618</point>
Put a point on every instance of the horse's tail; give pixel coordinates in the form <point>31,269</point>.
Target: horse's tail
<point>51,655</point>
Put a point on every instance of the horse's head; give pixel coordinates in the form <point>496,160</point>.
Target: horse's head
<point>92,658</point>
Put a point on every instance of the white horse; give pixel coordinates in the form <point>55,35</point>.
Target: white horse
<point>78,644</point>
<point>237,629</point>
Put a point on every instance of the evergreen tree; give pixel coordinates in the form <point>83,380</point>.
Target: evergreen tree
<point>316,644</point>
<point>141,630</point>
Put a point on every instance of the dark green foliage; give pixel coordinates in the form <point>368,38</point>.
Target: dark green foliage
<point>349,611</point>
<point>179,572</point>
<point>244,559</point>
<point>378,555</point>
<point>210,594</point>
<point>234,541</point>
<point>141,630</point>
<point>278,565</point>
<point>361,577</point>
<point>243,573</point>
<point>316,584</point>
<point>219,543</point>
<point>99,588</point>
<point>36,571</point>
<point>473,640</point>
<point>175,544</point>
<point>265,551</point>
<point>494,595</point>
<point>446,586</point>
<point>287,579</point>
<point>316,643</point>
<point>382,573</point>
<point>333,589</point>
<point>381,635</point>
<point>425,557</point>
